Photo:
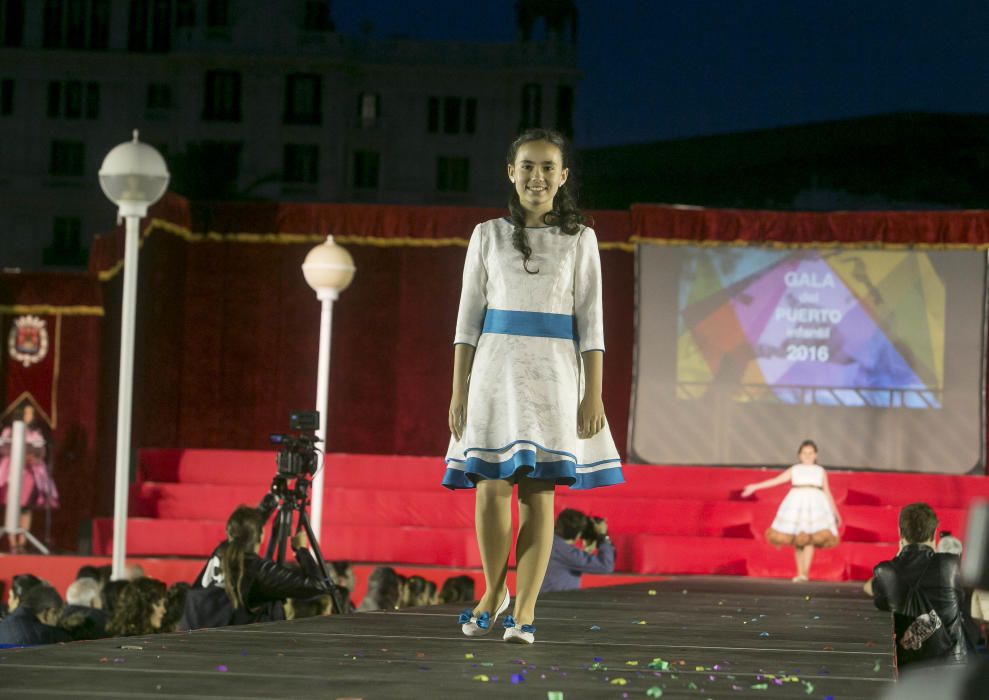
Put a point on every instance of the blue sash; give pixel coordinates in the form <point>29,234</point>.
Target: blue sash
<point>531,323</point>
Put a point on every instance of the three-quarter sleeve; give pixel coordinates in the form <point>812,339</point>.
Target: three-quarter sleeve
<point>587,292</point>
<point>473,296</point>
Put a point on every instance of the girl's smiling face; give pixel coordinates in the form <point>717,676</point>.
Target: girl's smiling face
<point>537,174</point>
<point>808,455</point>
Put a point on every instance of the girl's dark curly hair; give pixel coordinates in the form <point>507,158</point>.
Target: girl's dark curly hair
<point>564,213</point>
<point>135,605</point>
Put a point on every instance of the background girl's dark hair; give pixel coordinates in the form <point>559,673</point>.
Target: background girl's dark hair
<point>570,523</point>
<point>244,528</point>
<point>135,604</point>
<point>564,213</point>
<point>807,443</point>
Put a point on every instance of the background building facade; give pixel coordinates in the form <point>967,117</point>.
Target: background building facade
<point>250,99</point>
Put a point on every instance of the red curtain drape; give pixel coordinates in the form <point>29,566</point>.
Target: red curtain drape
<point>77,301</point>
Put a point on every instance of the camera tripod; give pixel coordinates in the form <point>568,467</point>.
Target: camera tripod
<point>283,502</point>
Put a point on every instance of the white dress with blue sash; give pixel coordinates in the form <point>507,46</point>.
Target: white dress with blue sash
<point>526,381</point>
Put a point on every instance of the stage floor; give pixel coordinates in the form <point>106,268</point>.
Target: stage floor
<point>689,637</point>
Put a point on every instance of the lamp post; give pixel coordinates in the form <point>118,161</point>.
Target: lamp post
<point>328,269</point>
<point>133,176</point>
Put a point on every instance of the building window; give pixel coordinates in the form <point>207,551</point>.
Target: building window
<point>222,96</point>
<point>532,106</point>
<point>150,25</point>
<point>76,24</point>
<point>185,14</point>
<point>303,99</point>
<point>470,115</point>
<point>433,118</point>
<point>452,115</point>
<point>366,168</point>
<point>159,96</point>
<point>67,158</point>
<point>218,14</point>
<point>368,109</point>
<point>317,17</point>
<point>52,35</point>
<point>11,22</point>
<point>99,24</point>
<point>564,109</point>
<point>452,174</point>
<point>92,101</point>
<point>66,246</point>
<point>300,163</point>
<point>73,99</point>
<point>6,96</point>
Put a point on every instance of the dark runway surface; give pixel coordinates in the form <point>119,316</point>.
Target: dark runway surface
<point>679,638</point>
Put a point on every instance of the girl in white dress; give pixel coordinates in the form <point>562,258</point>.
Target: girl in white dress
<point>526,408</point>
<point>807,517</point>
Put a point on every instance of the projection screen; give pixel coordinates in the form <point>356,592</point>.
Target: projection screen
<point>742,352</point>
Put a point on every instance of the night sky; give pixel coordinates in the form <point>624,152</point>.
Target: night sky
<point>661,70</point>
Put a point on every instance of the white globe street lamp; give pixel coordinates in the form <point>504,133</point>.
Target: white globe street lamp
<point>328,269</point>
<point>133,176</point>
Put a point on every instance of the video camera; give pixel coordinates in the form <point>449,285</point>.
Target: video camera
<point>297,455</point>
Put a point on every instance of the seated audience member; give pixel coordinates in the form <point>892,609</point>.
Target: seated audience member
<point>34,620</point>
<point>949,544</point>
<point>82,616</point>
<point>432,593</point>
<point>457,589</point>
<point>567,562</point>
<point>384,588</point>
<point>174,606</point>
<point>90,571</point>
<point>19,586</point>
<point>237,586</point>
<point>133,572</point>
<point>918,571</point>
<point>111,591</point>
<point>415,593</point>
<point>140,608</point>
<point>318,606</point>
<point>342,574</point>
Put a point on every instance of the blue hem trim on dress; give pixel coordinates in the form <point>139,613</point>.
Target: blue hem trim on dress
<point>523,463</point>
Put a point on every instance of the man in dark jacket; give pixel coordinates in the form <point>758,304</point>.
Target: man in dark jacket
<point>935,575</point>
<point>33,622</point>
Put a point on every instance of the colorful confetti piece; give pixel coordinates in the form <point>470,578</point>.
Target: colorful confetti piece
<point>655,692</point>
<point>468,656</point>
<point>619,681</point>
<point>517,678</point>
<point>554,695</point>
<point>652,591</point>
<point>221,668</point>
<point>482,678</point>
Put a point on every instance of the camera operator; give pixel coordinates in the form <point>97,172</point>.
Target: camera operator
<point>567,561</point>
<point>236,586</point>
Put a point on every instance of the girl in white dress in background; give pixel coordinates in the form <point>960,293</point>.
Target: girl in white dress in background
<point>807,517</point>
<point>526,408</point>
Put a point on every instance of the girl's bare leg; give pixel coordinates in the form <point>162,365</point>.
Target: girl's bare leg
<point>535,542</point>
<point>493,521</point>
<point>808,555</point>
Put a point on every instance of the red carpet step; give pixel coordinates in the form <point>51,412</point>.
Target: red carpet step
<point>665,520</point>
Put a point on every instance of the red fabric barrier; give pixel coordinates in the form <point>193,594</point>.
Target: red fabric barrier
<point>709,226</point>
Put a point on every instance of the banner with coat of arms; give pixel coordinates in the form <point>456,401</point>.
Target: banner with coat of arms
<point>30,363</point>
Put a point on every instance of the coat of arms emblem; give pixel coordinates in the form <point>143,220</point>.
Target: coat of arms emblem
<point>27,342</point>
